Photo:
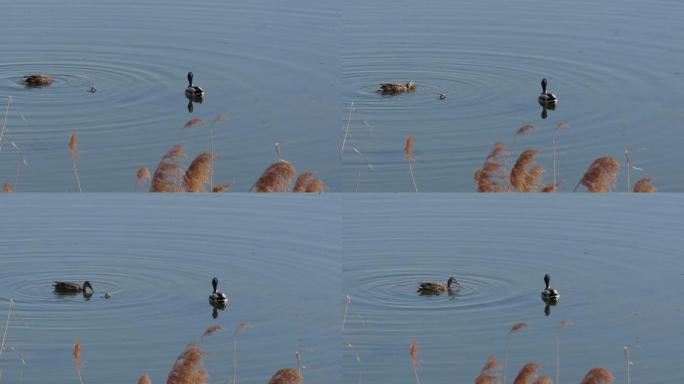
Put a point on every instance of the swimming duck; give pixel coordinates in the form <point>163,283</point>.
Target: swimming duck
<point>549,295</point>
<point>37,80</point>
<point>436,287</point>
<point>394,88</point>
<point>69,287</point>
<point>546,98</point>
<point>217,299</point>
<point>193,91</point>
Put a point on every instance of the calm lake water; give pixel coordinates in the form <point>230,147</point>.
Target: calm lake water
<point>270,68</point>
<point>615,66</point>
<point>277,258</point>
<point>615,260</point>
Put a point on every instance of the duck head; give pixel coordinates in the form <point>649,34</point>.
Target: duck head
<point>451,282</point>
<point>411,85</point>
<point>214,283</point>
<point>543,84</point>
<point>190,79</point>
<point>547,280</point>
<point>87,285</point>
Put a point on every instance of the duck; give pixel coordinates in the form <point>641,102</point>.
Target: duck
<point>547,98</point>
<point>549,295</point>
<point>288,375</point>
<point>436,287</point>
<point>193,91</point>
<point>65,287</point>
<point>394,88</point>
<point>217,299</point>
<point>37,80</point>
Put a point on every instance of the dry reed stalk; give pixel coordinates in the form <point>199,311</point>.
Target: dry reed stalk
<point>490,373</point>
<point>308,182</point>
<point>276,178</point>
<point>4,121</point>
<point>141,176</point>
<point>644,185</point>
<point>347,303</point>
<point>514,329</point>
<point>629,365</point>
<point>492,169</point>
<point>7,187</point>
<point>524,129</point>
<point>598,376</point>
<point>629,169</point>
<point>167,176</point>
<point>77,359</point>
<point>413,354</point>
<point>562,324</point>
<point>192,122</point>
<point>526,175</point>
<point>364,157</point>
<point>555,161</point>
<point>144,379</point>
<point>188,367</point>
<point>197,175</point>
<point>288,375</point>
<point>221,187</point>
<point>240,327</point>
<point>346,131</point>
<point>358,360</point>
<point>560,126</point>
<point>211,330</point>
<point>73,149</point>
<point>4,333</point>
<point>601,175</point>
<point>527,373</point>
<point>408,152</point>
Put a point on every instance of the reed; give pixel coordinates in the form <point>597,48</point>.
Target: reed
<point>487,178</point>
<point>358,361</point>
<point>601,175</point>
<point>644,185</point>
<point>555,161</point>
<point>527,373</point>
<point>526,174</point>
<point>4,120</point>
<point>192,122</point>
<point>4,333</point>
<point>308,182</point>
<point>490,373</point>
<point>239,328</point>
<point>629,365</point>
<point>77,359</point>
<point>276,178</point>
<point>198,173</point>
<point>218,119</point>
<point>221,187</point>
<point>167,176</point>
<point>144,379</point>
<point>73,149</point>
<point>514,329</point>
<point>562,324</point>
<point>408,152</point>
<point>7,187</point>
<point>347,303</point>
<point>553,187</point>
<point>524,129</point>
<point>598,376</point>
<point>346,131</point>
<point>188,367</point>
<point>211,330</point>
<point>289,375</point>
<point>141,177</point>
<point>413,354</point>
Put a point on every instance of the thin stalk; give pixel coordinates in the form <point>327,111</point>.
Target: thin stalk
<point>211,146</point>
<point>4,121</point>
<point>346,309</point>
<point>346,131</point>
<point>554,172</point>
<point>4,334</point>
<point>78,182</point>
<point>629,364</point>
<point>413,176</point>
<point>415,372</point>
<point>629,168</point>
<point>558,358</point>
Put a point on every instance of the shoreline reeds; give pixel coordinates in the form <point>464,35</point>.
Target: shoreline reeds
<point>73,150</point>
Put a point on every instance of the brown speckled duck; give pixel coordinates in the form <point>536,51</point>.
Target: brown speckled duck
<point>37,80</point>
<point>394,88</point>
<point>437,287</point>
<point>65,287</point>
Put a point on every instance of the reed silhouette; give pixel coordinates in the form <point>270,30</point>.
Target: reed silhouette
<point>490,373</point>
<point>288,375</point>
<point>408,152</point>
<point>601,175</point>
<point>526,174</point>
<point>77,359</point>
<point>644,185</point>
<point>144,379</point>
<point>308,182</point>
<point>488,177</point>
<point>514,329</point>
<point>188,367</point>
<point>276,178</point>
<point>598,376</point>
<point>73,149</point>
<point>413,355</point>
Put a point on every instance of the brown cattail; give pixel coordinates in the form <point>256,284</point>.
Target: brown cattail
<point>526,175</point>
<point>486,178</point>
<point>212,329</point>
<point>601,175</point>
<point>413,352</point>
<point>198,173</point>
<point>288,375</point>
<point>192,122</point>
<point>144,379</point>
<point>644,185</point>
<point>188,367</point>
<point>526,373</point>
<point>7,187</point>
<point>167,176</point>
<point>524,129</point>
<point>77,352</point>
<point>408,148</point>
<point>276,178</point>
<point>490,373</point>
<point>598,376</point>
<point>221,187</point>
<point>308,182</point>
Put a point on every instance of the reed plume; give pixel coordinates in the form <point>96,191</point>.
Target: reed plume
<point>7,187</point>
<point>514,329</point>
<point>221,187</point>
<point>408,152</point>
<point>276,178</point>
<point>192,122</point>
<point>526,174</point>
<point>167,176</point>
<point>644,185</point>
<point>524,129</point>
<point>197,175</point>
<point>560,127</point>
<point>73,149</point>
<point>188,367</point>
<point>527,373</point>
<point>543,380</point>
<point>239,328</point>
<point>77,359</point>
<point>487,178</point>
<point>308,182</point>
<point>288,375</point>
<point>552,187</point>
<point>490,373</point>
<point>413,354</point>
<point>601,175</point>
<point>598,376</point>
<point>211,330</point>
<point>141,176</point>
<point>144,379</point>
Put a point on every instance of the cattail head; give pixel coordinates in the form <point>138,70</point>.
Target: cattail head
<point>144,379</point>
<point>644,185</point>
<point>598,376</point>
<point>7,187</point>
<point>488,177</point>
<point>198,174</point>
<point>276,178</point>
<point>526,175</point>
<point>527,373</point>
<point>408,148</point>
<point>73,144</point>
<point>601,175</point>
<point>188,367</point>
